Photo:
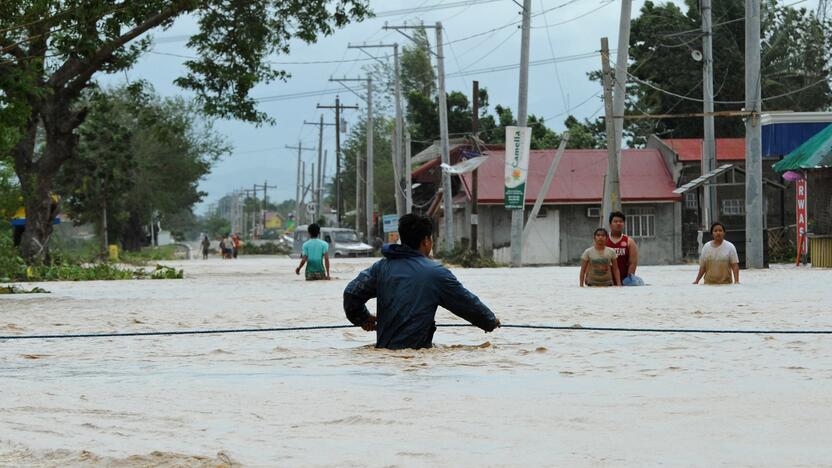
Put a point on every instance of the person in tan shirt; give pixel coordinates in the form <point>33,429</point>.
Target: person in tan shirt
<point>598,265</point>
<point>718,260</point>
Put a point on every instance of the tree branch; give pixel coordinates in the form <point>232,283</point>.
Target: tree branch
<point>13,49</point>
<point>73,75</point>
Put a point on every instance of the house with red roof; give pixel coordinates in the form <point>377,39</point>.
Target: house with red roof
<point>571,207</point>
<point>683,157</point>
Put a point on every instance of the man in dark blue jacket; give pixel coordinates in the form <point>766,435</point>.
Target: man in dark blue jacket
<point>409,286</point>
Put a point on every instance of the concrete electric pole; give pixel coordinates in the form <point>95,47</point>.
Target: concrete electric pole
<point>367,196</point>
<point>447,196</point>
<point>612,190</point>
<point>753,139</point>
<point>299,186</point>
<point>517,215</point>
<point>339,206</point>
<point>398,157</point>
<point>709,143</point>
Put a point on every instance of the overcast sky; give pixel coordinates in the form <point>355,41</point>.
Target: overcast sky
<point>554,89</point>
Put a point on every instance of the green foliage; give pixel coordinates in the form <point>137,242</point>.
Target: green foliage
<point>215,226</point>
<point>70,266</point>
<point>148,255</point>
<point>267,248</point>
<point>10,261</point>
<point>355,146</point>
<point>464,257</point>
<point>166,272</point>
<point>139,154</point>
<point>10,196</point>
<point>12,289</point>
<point>50,50</point>
<point>796,53</point>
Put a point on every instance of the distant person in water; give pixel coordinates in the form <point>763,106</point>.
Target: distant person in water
<point>598,265</point>
<point>235,245</point>
<point>206,246</point>
<point>315,256</point>
<point>408,286</point>
<point>718,260</point>
<point>626,250</point>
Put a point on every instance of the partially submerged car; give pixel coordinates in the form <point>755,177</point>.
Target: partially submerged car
<point>342,242</point>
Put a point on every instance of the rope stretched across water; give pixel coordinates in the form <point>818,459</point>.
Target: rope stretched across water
<point>443,325</point>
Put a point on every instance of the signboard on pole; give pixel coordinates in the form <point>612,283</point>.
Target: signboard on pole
<point>518,142</point>
<point>390,223</point>
<point>390,226</point>
<point>802,244</point>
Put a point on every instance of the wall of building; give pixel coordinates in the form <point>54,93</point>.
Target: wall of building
<point>779,204</point>
<point>576,230</point>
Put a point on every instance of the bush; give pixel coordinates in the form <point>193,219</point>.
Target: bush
<point>268,248</point>
<point>465,258</point>
<point>71,267</point>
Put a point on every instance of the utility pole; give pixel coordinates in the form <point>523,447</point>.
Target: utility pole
<point>397,135</point>
<point>316,194</point>
<point>447,196</point>
<point>299,185</point>
<point>620,96</point>
<point>254,214</point>
<point>408,189</point>
<point>612,199</point>
<point>322,182</point>
<point>339,207</point>
<point>368,173</point>
<point>709,144</point>
<point>517,215</point>
<point>475,124</point>
<point>265,187</point>
<point>753,139</point>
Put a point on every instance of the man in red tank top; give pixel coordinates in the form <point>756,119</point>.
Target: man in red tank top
<point>626,250</point>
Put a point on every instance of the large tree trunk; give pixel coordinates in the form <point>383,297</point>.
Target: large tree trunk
<point>132,234</point>
<point>37,175</point>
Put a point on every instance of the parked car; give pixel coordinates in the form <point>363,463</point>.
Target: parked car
<point>342,242</point>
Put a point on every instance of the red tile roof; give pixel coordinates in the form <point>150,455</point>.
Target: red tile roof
<point>580,177</point>
<point>690,149</point>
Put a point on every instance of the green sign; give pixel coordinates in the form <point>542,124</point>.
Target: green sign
<point>518,142</point>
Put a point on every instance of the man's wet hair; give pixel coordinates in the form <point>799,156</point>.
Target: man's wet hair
<point>413,229</point>
<point>600,230</point>
<point>617,214</point>
<point>314,230</point>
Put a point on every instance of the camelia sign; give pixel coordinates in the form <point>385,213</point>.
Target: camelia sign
<point>518,142</point>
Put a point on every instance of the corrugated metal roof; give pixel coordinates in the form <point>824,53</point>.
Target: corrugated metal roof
<point>815,153</point>
<point>690,149</point>
<point>580,177</point>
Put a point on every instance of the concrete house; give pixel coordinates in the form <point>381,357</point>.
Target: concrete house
<point>782,133</point>
<point>571,208</point>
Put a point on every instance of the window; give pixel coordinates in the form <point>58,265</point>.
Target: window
<point>691,199</point>
<point>593,212</point>
<point>733,207</point>
<point>641,222</point>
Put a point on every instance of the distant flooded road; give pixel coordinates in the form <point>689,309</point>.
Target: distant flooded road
<point>329,398</point>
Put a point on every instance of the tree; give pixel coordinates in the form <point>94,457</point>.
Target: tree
<point>51,49</point>
<point>139,159</point>
<point>795,54</point>
<point>355,146</point>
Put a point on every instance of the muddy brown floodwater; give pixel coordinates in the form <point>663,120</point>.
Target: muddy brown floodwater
<point>328,398</point>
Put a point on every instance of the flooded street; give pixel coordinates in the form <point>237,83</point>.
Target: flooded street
<point>514,397</point>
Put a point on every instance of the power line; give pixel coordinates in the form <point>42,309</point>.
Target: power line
<point>434,7</point>
<point>552,51</point>
<point>566,58</point>
<point>281,62</point>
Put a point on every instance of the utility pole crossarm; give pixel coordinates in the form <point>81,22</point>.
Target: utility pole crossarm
<point>399,29</point>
